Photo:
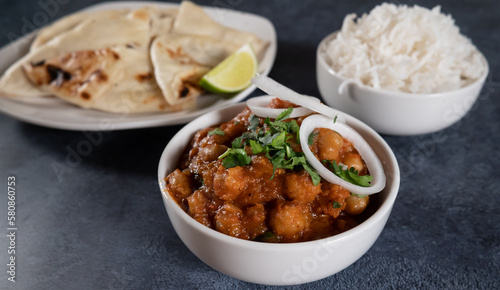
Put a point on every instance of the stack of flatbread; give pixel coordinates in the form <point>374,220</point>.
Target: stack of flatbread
<point>125,61</point>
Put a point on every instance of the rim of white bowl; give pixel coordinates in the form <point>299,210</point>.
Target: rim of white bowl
<point>384,208</point>
<point>320,55</point>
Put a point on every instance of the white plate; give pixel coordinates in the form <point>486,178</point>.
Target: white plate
<point>62,115</point>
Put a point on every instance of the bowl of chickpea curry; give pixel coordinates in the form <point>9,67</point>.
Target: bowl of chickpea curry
<point>261,189</point>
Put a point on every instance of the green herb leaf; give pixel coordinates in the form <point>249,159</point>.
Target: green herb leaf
<point>361,180</point>
<point>299,159</point>
<point>279,160</point>
<point>314,175</point>
<point>235,157</point>
<point>337,204</point>
<point>268,237</point>
<point>249,135</point>
<point>350,175</point>
<point>237,143</point>
<point>216,131</point>
<point>267,138</point>
<point>253,122</point>
<point>310,140</point>
<point>279,140</point>
<point>335,119</point>
<point>280,126</point>
<point>289,151</point>
<point>284,115</point>
<point>256,147</point>
<point>294,127</point>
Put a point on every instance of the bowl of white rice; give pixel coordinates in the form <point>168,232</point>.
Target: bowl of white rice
<point>402,70</point>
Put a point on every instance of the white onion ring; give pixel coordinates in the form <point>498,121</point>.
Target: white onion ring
<point>258,107</point>
<point>372,162</point>
<point>274,88</point>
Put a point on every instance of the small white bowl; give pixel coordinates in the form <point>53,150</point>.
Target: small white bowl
<point>276,264</point>
<point>393,113</point>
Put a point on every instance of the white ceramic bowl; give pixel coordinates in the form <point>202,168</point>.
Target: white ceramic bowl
<point>276,264</point>
<point>394,113</point>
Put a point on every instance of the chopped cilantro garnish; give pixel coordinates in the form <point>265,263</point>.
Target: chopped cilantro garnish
<point>294,127</point>
<point>235,157</point>
<point>335,119</point>
<point>337,204</point>
<point>280,126</point>
<point>271,140</point>
<point>237,143</point>
<point>267,139</point>
<point>284,115</point>
<point>256,147</point>
<point>267,237</point>
<point>216,131</point>
<point>278,140</point>
<point>253,122</point>
<point>310,140</point>
<point>314,175</point>
<point>350,175</point>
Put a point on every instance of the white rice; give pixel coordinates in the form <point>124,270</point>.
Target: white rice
<point>406,49</point>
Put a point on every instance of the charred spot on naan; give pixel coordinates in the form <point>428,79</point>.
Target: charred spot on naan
<point>181,56</point>
<point>190,90</point>
<point>145,77</point>
<point>43,74</point>
<point>85,96</point>
<point>100,76</point>
<point>177,53</point>
<point>40,63</point>
<point>78,76</point>
<point>115,55</point>
<point>132,45</point>
<point>57,76</point>
<point>190,86</point>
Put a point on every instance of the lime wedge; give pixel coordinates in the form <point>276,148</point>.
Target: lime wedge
<point>233,74</point>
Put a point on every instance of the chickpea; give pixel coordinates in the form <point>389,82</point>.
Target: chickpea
<point>229,183</point>
<point>228,220</point>
<point>354,160</point>
<point>255,220</point>
<point>198,207</point>
<point>211,152</point>
<point>332,199</point>
<point>200,136</point>
<point>299,186</point>
<point>356,205</point>
<point>329,144</point>
<point>290,218</point>
<point>180,184</point>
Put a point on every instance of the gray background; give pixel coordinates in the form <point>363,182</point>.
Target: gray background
<point>104,225</point>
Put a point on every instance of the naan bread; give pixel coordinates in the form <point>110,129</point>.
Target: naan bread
<point>60,26</point>
<point>112,29</point>
<point>118,79</point>
<point>180,61</point>
<point>69,22</point>
<point>77,77</point>
<point>106,60</point>
<point>193,20</point>
<point>163,22</point>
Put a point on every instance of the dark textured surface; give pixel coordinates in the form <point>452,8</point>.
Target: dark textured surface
<point>103,226</point>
